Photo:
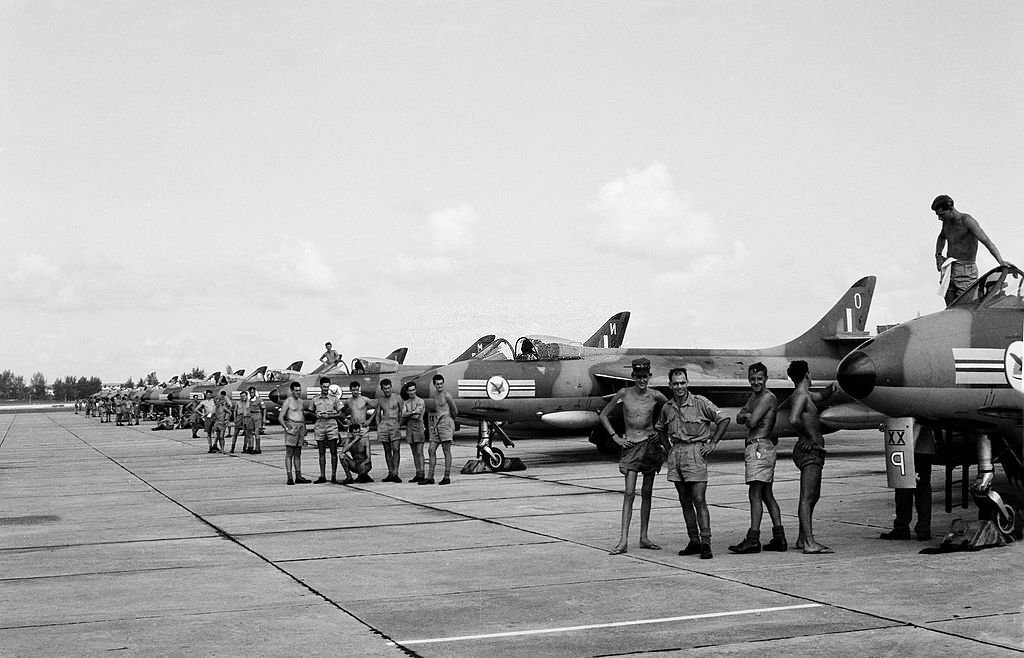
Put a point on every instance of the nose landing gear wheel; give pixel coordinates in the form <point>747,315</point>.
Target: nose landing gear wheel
<point>1005,523</point>
<point>495,461</point>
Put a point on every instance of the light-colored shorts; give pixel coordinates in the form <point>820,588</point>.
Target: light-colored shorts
<point>294,433</point>
<point>326,431</point>
<point>759,461</point>
<point>442,430</point>
<point>388,431</point>
<point>686,464</point>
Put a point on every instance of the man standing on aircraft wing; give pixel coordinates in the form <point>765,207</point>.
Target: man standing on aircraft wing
<point>639,406</point>
<point>325,431</point>
<point>413,410</point>
<point>389,416</point>
<point>758,414</point>
<point>809,451</point>
<point>959,235</point>
<point>688,420</point>
<point>293,421</point>
<point>442,430</point>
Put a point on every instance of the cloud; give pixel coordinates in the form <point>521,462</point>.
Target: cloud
<point>642,214</point>
<point>452,228</point>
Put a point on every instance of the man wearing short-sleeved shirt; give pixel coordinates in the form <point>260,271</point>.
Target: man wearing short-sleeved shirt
<point>327,409</point>
<point>694,426</point>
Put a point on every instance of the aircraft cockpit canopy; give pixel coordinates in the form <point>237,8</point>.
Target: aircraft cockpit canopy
<point>1002,288</point>
<point>547,348</point>
<point>497,350</point>
<point>371,365</point>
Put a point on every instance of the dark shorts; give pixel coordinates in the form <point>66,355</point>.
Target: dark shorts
<point>633,459</point>
<point>808,454</point>
<point>294,433</point>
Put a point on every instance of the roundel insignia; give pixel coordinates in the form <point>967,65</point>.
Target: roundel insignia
<point>1012,364</point>
<point>497,387</point>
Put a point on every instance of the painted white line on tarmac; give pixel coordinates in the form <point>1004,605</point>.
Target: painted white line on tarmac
<point>587,627</point>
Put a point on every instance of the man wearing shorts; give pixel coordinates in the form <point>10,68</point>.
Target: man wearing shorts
<point>243,424</point>
<point>293,421</point>
<point>413,409</point>
<point>359,411</point>
<point>206,410</point>
<point>325,430</point>
<point>258,411</point>
<point>959,236</point>
<point>639,406</point>
<point>687,420</point>
<point>809,451</point>
<point>389,418</point>
<point>758,414</point>
<point>442,430</point>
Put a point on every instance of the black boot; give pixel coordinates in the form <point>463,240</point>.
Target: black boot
<point>778,542</point>
<point>750,544</point>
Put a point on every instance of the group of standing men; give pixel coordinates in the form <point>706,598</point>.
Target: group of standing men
<point>395,415</point>
<point>689,427</point>
<point>218,416</point>
<point>120,408</point>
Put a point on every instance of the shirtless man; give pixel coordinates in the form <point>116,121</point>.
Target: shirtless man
<point>758,414</point>
<point>330,357</point>
<point>389,417</point>
<point>442,430</point>
<point>694,426</point>
<point>809,451</point>
<point>960,235</point>
<point>293,422</point>
<point>413,411</point>
<point>639,406</point>
<point>327,408</point>
<point>359,410</point>
<point>240,413</point>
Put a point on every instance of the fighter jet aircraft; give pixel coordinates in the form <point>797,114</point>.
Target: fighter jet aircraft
<point>550,382</point>
<point>957,370</point>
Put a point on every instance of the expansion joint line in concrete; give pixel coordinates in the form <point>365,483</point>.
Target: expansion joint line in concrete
<point>8,430</point>
<point>227,536</point>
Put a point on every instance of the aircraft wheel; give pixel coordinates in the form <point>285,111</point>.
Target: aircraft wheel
<point>496,461</point>
<point>1006,523</point>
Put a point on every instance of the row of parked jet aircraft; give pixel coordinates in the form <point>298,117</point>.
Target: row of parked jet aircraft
<point>957,370</point>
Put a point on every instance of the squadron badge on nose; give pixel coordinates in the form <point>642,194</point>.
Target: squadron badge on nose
<point>497,388</point>
<point>1011,363</point>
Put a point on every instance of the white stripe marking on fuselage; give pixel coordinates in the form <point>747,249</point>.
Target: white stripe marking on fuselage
<point>616,624</point>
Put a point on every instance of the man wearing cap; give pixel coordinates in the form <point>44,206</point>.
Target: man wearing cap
<point>639,405</point>
<point>694,426</point>
<point>959,235</point>
<point>330,357</point>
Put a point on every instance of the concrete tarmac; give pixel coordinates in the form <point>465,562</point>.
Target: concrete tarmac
<point>120,539</point>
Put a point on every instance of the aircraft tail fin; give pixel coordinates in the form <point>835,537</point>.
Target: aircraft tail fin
<point>256,375</point>
<point>611,333</point>
<point>475,348</point>
<point>398,355</point>
<point>842,328</point>
<point>297,366</point>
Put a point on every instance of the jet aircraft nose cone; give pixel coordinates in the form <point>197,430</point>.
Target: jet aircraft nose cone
<point>857,374</point>
<point>274,396</point>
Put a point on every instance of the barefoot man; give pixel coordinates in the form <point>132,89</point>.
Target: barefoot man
<point>809,451</point>
<point>639,406</point>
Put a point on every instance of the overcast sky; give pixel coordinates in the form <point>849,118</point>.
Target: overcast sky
<point>205,183</point>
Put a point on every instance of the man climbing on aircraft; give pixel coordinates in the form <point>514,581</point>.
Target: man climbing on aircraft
<point>694,425</point>
<point>809,451</point>
<point>330,357</point>
<point>639,406</point>
<point>758,414</point>
<point>959,235</point>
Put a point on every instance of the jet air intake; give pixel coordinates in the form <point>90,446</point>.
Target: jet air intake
<point>857,374</point>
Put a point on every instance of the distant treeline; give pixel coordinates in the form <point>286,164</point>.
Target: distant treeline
<point>13,387</point>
